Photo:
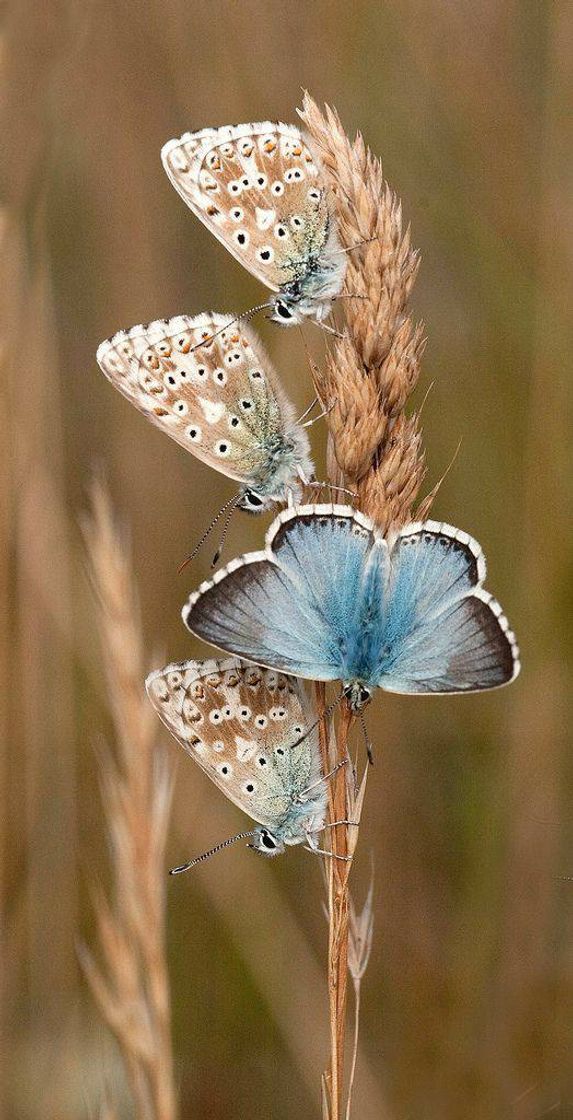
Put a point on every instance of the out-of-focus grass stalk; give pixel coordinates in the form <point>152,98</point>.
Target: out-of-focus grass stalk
<point>361,929</point>
<point>130,986</point>
<point>365,385</point>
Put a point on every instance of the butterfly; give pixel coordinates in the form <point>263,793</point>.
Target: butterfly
<point>260,190</point>
<point>330,599</point>
<point>252,731</point>
<point>211,387</point>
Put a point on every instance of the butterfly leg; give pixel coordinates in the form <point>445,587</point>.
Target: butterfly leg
<point>318,485</point>
<point>323,852</point>
<point>312,404</point>
<point>320,416</point>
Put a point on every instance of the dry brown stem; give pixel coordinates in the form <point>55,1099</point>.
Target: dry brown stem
<point>130,986</point>
<point>367,380</point>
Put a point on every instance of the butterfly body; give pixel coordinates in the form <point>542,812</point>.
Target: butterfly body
<point>251,730</point>
<point>260,191</point>
<point>330,599</point>
<point>209,385</point>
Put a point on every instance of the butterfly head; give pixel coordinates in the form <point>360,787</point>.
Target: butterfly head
<point>266,843</point>
<point>253,502</point>
<point>358,694</point>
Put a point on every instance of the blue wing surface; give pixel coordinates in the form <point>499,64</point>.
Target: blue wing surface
<point>310,605</point>
<point>442,632</point>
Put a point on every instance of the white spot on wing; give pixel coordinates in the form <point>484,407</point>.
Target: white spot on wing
<point>212,410</point>
<point>264,218</point>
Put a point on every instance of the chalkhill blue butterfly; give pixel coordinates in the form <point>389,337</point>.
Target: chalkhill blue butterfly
<point>330,599</point>
<point>253,733</point>
<point>261,191</point>
<point>208,383</point>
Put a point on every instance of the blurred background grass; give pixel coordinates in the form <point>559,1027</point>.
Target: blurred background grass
<point>468,1000</point>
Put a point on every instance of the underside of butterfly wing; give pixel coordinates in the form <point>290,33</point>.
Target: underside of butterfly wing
<point>259,189</point>
<point>207,382</point>
<point>247,728</point>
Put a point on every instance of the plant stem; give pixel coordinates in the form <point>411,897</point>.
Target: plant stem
<point>337,871</point>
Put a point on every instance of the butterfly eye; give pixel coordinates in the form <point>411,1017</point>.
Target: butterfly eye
<point>267,840</point>
<point>222,449</point>
<point>242,237</point>
<point>249,787</point>
<point>215,716</point>
<point>194,435</point>
<point>225,769</point>
<point>234,187</point>
<point>278,188</point>
<point>220,376</point>
<point>281,231</point>
<point>265,253</point>
<point>261,721</point>
<point>282,310</point>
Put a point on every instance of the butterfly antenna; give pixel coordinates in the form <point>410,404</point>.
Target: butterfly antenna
<point>238,318</point>
<point>367,742</point>
<point>225,530</point>
<point>232,503</point>
<point>211,852</point>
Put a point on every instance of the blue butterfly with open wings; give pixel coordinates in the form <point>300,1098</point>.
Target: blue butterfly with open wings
<point>329,598</point>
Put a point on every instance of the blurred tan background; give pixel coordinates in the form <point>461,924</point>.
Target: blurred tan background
<point>468,1000</point>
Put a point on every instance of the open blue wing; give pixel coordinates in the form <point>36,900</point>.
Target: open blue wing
<point>311,604</point>
<point>326,600</point>
<point>442,632</point>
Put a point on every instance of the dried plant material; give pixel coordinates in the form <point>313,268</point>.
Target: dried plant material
<point>130,987</point>
<point>377,450</point>
<point>381,349</point>
<point>360,933</point>
<point>349,397</point>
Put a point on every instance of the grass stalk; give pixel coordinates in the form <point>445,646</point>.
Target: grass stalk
<point>374,448</point>
<point>130,986</point>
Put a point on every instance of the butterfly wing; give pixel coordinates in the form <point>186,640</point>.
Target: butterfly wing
<point>308,604</point>
<point>222,401</point>
<point>443,632</point>
<point>240,723</point>
<point>258,188</point>
<point>326,601</point>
